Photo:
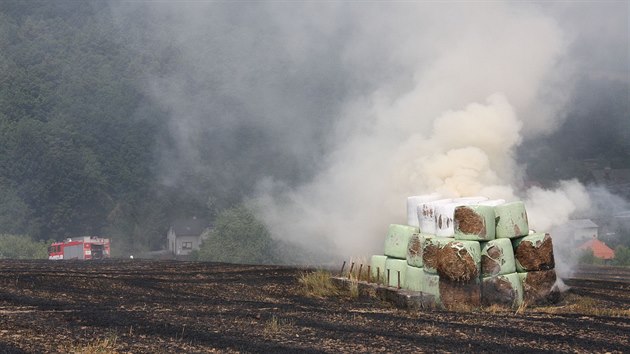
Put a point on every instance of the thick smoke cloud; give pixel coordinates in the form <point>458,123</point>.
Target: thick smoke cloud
<point>353,107</point>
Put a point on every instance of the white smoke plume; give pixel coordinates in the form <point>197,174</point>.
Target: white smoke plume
<point>454,131</point>
<point>369,102</point>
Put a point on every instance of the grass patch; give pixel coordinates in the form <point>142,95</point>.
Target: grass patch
<point>318,284</point>
<point>277,325</point>
<point>583,305</point>
<point>102,346</point>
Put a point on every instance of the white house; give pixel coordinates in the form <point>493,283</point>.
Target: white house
<point>184,235</point>
<point>582,230</point>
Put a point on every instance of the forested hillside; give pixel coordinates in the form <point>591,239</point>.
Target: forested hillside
<point>77,137</point>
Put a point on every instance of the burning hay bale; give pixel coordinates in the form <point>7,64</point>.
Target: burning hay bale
<point>454,294</point>
<point>497,257</point>
<point>397,240</point>
<point>414,278</point>
<point>534,253</point>
<point>459,261</point>
<point>479,265</point>
<point>430,252</point>
<point>426,215</point>
<point>413,203</point>
<point>511,220</point>
<point>445,214</point>
<point>505,289</point>
<point>474,222</point>
<point>540,287</point>
<point>395,269</point>
<point>377,269</point>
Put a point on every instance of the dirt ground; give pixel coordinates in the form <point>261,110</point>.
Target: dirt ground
<point>144,306</point>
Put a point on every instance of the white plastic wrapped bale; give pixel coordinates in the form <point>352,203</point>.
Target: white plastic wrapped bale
<point>455,295</point>
<point>445,213</point>
<point>397,240</point>
<point>412,207</point>
<point>426,215</point>
<point>540,287</point>
<point>511,220</point>
<point>459,261</point>
<point>377,269</point>
<point>432,286</point>
<point>414,278</point>
<point>414,249</point>
<point>497,257</point>
<point>474,222</point>
<point>533,253</point>
<point>393,267</point>
<point>430,252</point>
<point>505,289</point>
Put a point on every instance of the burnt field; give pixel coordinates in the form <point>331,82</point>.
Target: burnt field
<point>167,306</point>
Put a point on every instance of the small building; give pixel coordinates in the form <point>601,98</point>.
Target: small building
<point>599,248</point>
<point>185,235</point>
<point>582,230</point>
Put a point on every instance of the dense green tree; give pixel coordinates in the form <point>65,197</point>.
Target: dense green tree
<point>237,237</point>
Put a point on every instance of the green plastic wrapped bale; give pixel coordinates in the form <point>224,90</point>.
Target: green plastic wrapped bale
<point>414,278</point>
<point>540,287</point>
<point>432,286</point>
<point>459,261</point>
<point>414,249</point>
<point>474,222</point>
<point>431,250</point>
<point>455,295</point>
<point>393,267</point>
<point>505,289</point>
<point>397,240</point>
<point>511,220</point>
<point>377,269</point>
<point>497,257</point>
<point>533,253</point>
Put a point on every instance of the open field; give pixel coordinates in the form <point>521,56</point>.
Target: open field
<point>167,306</point>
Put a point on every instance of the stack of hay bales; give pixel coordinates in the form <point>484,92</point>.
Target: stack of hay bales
<point>468,251</point>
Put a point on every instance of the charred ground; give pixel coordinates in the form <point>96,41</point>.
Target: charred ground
<point>168,306</point>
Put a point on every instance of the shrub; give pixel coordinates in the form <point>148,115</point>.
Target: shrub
<point>22,247</point>
<point>622,256</point>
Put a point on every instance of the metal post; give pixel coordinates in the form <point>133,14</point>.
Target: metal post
<point>388,277</point>
<point>360,269</point>
<point>398,279</point>
<point>350,272</point>
<point>342,267</point>
<point>369,274</point>
<point>378,275</point>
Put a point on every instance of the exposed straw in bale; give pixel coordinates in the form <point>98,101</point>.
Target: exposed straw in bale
<point>457,263</point>
<point>539,287</point>
<point>534,254</point>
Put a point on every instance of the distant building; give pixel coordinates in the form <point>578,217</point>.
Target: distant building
<point>578,231</point>
<point>599,248</point>
<point>184,235</point>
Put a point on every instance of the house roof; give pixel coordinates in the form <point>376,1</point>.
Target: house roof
<point>600,250</point>
<point>189,227</point>
<point>581,224</point>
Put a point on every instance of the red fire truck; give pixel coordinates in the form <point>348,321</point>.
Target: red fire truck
<point>84,248</point>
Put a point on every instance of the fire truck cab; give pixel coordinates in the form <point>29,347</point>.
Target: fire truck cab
<point>83,248</point>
